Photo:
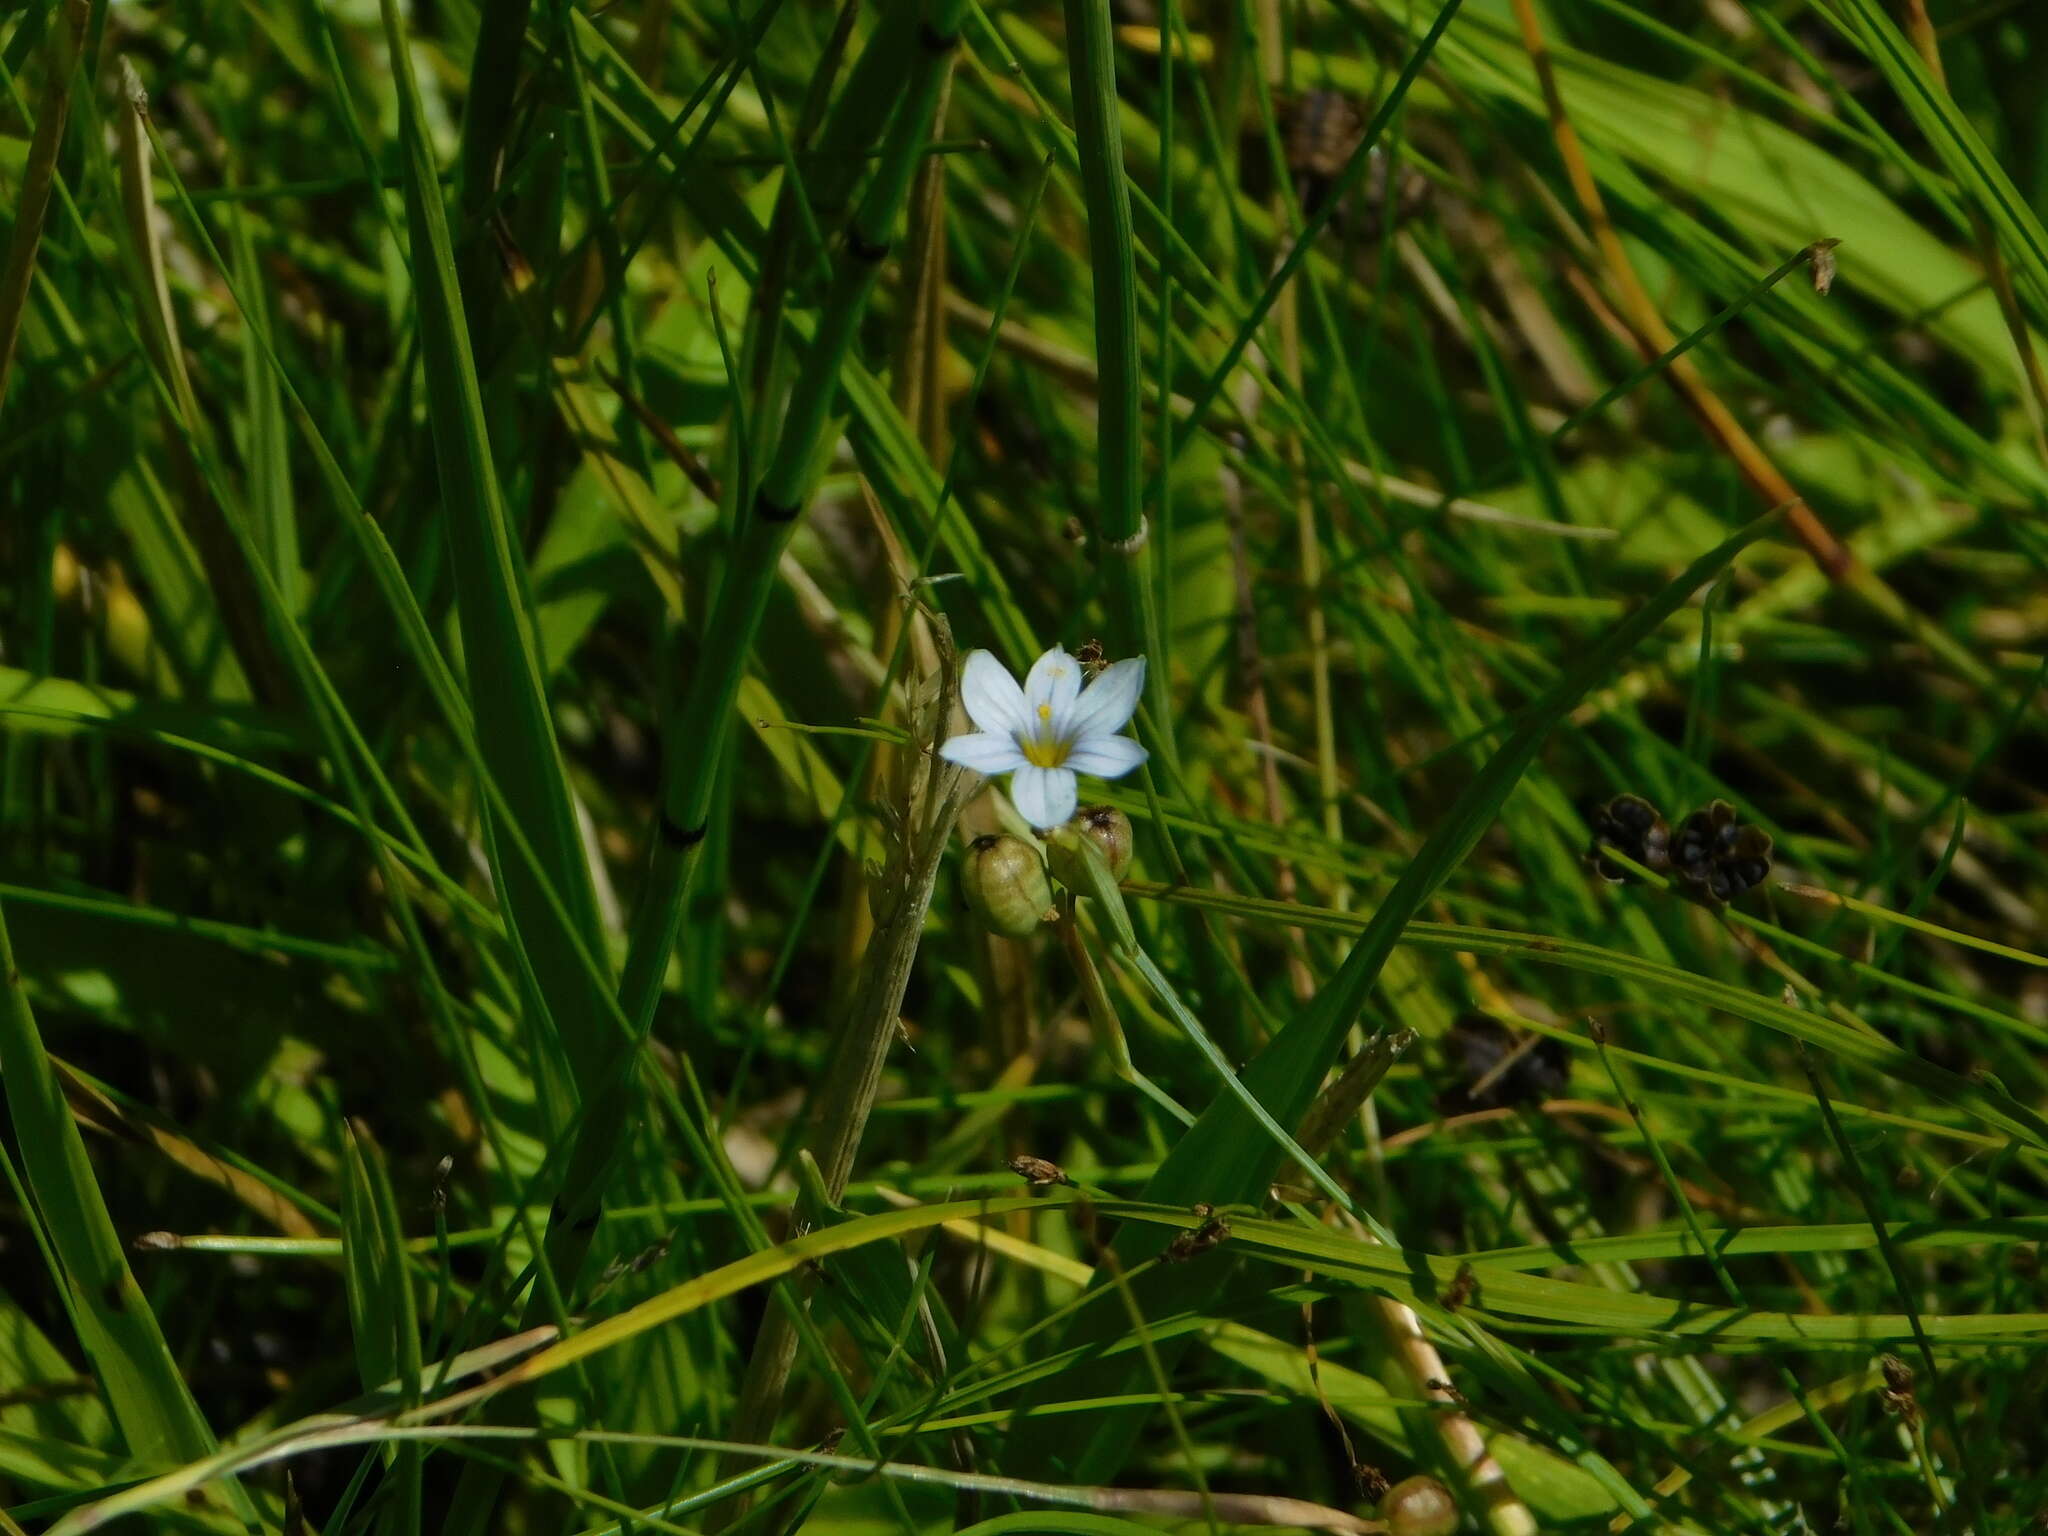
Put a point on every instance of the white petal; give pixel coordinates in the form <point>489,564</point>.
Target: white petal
<point>984,752</point>
<point>1043,796</point>
<point>1055,680</point>
<point>1110,701</point>
<point>993,699</point>
<point>1106,757</point>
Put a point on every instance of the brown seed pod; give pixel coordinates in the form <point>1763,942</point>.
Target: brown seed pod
<point>1106,827</point>
<point>1464,1289</point>
<point>1419,1506</point>
<point>1185,1245</point>
<point>1897,1393</point>
<point>1003,882</point>
<point>1822,256</point>
<point>1037,1171</point>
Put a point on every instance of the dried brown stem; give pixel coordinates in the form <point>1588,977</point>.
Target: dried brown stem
<point>1654,338</point>
<point>928,814</point>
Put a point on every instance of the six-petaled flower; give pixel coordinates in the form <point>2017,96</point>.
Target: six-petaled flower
<point>1051,729</point>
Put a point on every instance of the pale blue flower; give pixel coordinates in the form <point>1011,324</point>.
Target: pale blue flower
<point>1049,730</point>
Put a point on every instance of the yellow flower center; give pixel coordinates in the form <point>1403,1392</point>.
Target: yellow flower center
<point>1042,749</point>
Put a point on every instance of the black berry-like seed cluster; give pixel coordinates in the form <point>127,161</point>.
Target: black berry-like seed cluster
<point>1628,824</point>
<point>1717,854</point>
<point>1712,854</point>
<point>1492,1069</point>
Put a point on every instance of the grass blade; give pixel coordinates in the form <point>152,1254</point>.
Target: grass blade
<point>148,1398</point>
<point>33,201</point>
<point>514,729</point>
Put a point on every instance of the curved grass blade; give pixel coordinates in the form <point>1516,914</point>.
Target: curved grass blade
<point>678,1301</point>
<point>1338,1258</point>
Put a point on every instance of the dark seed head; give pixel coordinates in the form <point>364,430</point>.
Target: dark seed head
<point>1898,1376</point>
<point>1896,1395</point>
<point>1628,824</point>
<point>1492,1069</point>
<point>1717,856</point>
<point>1185,1245</point>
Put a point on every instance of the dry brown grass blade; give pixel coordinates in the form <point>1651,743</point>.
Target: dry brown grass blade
<point>93,1109</point>
<point>656,426</point>
<point>921,354</point>
<point>1654,338</point>
<point>928,810</point>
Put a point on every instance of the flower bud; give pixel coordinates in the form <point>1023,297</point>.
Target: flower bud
<point>1105,826</point>
<point>1419,1506</point>
<point>1004,885</point>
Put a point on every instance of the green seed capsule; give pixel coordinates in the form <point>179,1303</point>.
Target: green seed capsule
<point>1419,1506</point>
<point>1004,884</point>
<point>1105,826</point>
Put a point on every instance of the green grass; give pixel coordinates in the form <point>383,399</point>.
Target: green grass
<point>495,496</point>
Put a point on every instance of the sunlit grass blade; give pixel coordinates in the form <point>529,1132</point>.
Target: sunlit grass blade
<point>1949,131</point>
<point>1832,1035</point>
<point>118,1331</point>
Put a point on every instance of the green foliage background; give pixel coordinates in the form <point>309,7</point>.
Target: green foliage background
<point>492,497</point>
